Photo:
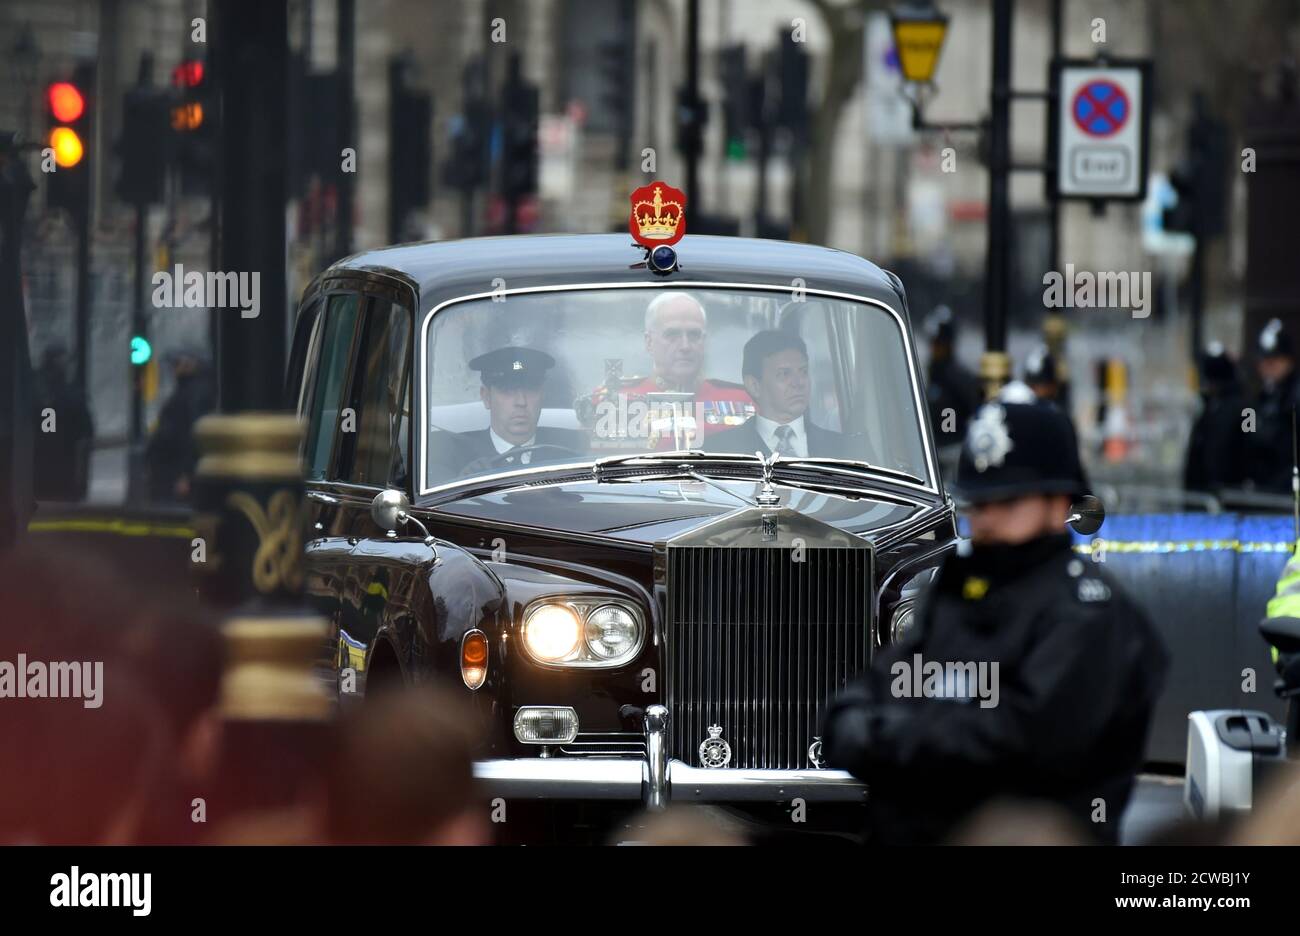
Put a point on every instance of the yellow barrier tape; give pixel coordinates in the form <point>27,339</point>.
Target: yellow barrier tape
<point>117,525</point>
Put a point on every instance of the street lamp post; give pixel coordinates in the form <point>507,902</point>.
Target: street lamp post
<point>995,366</point>
<point>919,31</point>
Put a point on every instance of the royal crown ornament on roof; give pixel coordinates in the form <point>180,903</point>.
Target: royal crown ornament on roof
<point>658,215</point>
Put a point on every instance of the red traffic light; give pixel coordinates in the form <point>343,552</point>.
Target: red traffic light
<point>188,74</point>
<point>187,116</point>
<point>66,102</point>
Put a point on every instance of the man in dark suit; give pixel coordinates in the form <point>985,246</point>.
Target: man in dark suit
<point>775,370</point>
<point>512,393</point>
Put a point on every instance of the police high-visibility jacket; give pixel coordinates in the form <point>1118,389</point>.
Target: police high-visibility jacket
<point>1285,602</point>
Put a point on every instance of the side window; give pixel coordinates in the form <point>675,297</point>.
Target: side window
<point>383,398</point>
<point>323,391</point>
<point>304,353</point>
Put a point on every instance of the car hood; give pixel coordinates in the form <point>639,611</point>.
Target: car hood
<point>646,511</point>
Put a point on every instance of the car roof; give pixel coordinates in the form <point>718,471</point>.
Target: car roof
<point>440,271</point>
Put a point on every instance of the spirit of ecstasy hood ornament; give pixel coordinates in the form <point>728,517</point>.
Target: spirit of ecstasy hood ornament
<point>768,497</point>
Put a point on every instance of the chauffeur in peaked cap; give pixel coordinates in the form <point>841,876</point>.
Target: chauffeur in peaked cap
<point>1071,668</point>
<point>512,379</point>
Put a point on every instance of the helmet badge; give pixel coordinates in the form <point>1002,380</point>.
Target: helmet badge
<point>988,438</point>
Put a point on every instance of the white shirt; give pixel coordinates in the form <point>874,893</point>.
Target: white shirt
<point>502,446</point>
<point>767,432</point>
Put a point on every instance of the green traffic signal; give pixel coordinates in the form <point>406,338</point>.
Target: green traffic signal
<point>141,350</point>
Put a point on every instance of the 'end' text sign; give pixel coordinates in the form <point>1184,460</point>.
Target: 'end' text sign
<point>1101,131</point>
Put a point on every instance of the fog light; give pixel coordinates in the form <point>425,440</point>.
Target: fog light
<point>546,724</point>
<point>474,658</point>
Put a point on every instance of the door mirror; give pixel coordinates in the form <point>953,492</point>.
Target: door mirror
<point>1087,515</point>
<point>388,509</point>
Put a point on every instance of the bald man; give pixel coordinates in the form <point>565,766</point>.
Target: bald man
<point>676,338</point>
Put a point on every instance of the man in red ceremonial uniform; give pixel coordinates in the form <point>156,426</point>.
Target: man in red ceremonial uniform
<point>684,407</point>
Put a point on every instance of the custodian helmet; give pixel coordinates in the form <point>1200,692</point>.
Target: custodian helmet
<point>1014,449</point>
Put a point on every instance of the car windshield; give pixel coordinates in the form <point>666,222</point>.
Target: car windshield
<point>566,377</point>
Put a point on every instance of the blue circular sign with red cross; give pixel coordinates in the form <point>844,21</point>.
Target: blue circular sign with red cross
<point>1100,108</point>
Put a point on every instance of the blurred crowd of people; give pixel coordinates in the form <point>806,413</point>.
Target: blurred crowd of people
<point>65,428</point>
<point>155,762</point>
<point>1239,439</point>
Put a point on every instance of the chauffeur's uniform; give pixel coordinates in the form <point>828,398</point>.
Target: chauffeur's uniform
<point>1079,668</point>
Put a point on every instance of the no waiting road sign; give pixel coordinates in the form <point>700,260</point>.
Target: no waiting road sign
<point>1100,141</point>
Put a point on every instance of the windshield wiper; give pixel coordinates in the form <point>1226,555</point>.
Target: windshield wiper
<point>676,456</point>
<point>854,467</point>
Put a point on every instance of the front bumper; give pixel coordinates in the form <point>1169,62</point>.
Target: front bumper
<point>658,780</point>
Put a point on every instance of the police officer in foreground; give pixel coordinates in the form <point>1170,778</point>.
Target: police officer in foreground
<point>1064,715</point>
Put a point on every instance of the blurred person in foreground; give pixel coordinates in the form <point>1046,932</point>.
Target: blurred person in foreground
<point>1215,453</point>
<point>1275,817</point>
<point>683,825</point>
<point>402,773</point>
<point>171,452</point>
<point>1269,446</point>
<point>122,762</point>
<point>1008,822</point>
<point>1047,672</point>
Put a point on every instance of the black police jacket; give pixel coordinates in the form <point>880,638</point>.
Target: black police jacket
<point>1269,445</point>
<point>1063,717</point>
<point>1216,458</point>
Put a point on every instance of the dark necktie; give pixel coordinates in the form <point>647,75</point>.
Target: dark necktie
<point>784,443</point>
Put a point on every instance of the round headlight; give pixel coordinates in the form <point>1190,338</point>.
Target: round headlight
<point>904,620</point>
<point>551,633</point>
<point>611,632</point>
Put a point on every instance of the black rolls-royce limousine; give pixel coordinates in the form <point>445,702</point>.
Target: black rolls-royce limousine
<point>649,513</point>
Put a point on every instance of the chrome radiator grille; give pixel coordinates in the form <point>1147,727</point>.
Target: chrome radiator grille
<point>758,643</point>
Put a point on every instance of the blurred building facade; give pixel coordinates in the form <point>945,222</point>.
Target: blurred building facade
<point>891,196</point>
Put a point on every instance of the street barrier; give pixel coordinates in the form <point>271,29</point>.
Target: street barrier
<point>1205,580</point>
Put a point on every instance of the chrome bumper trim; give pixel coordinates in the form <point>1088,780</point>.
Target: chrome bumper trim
<point>656,780</point>
<point>599,778</point>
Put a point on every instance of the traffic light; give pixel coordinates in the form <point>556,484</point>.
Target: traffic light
<point>793,64</point>
<point>145,145</point>
<point>141,350</point>
<point>410,150</point>
<point>519,118</point>
<point>1201,180</point>
<point>692,115</point>
<point>736,98</point>
<point>614,61</point>
<point>193,117</point>
<point>1181,216</point>
<point>68,110</point>
<point>467,168</point>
